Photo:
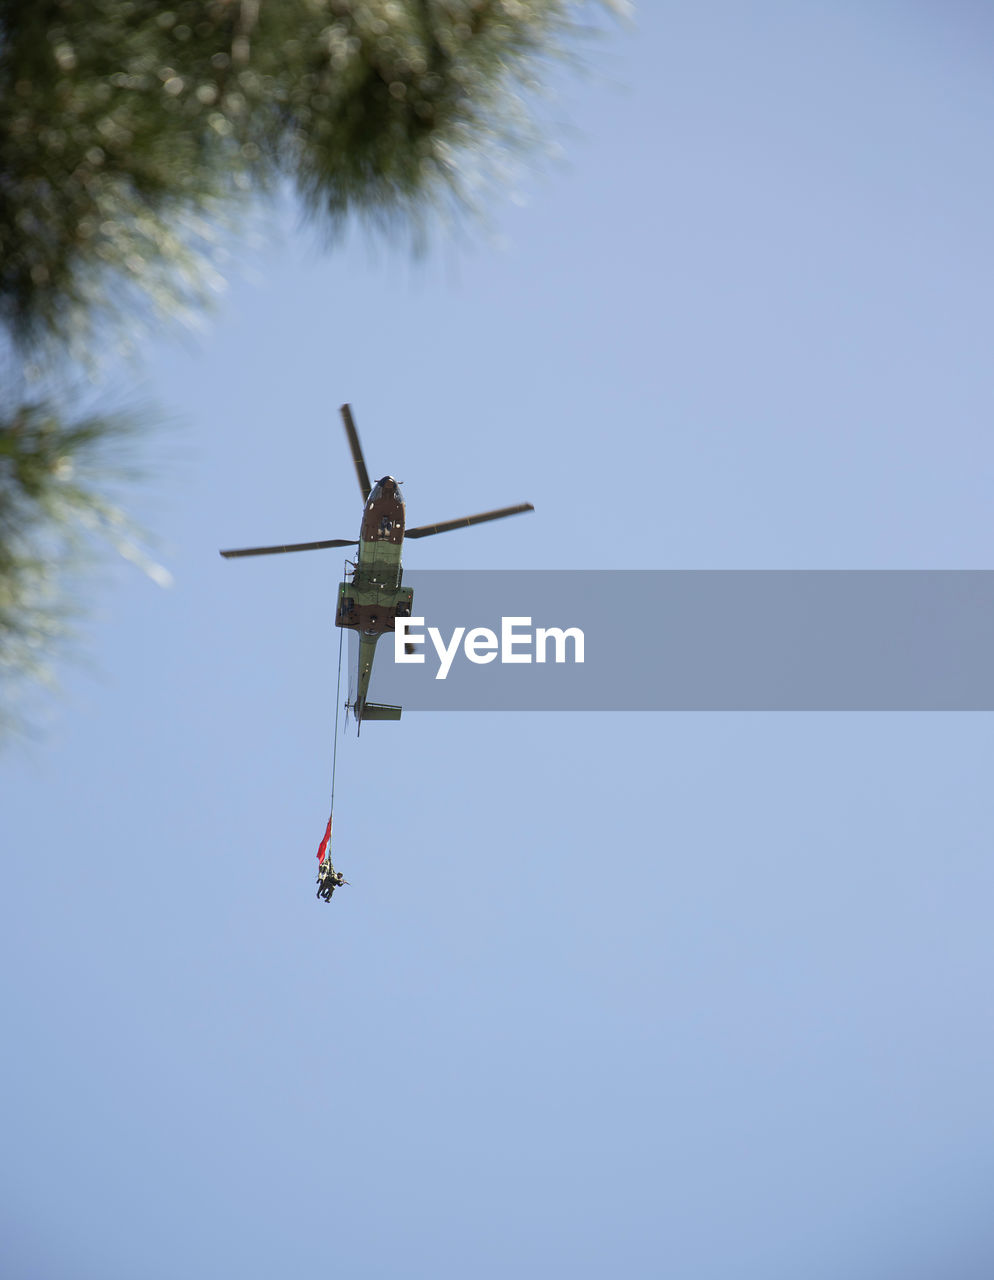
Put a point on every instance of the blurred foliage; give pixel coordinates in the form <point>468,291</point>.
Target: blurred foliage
<point>126,126</point>
<point>54,477</point>
<point>129,131</point>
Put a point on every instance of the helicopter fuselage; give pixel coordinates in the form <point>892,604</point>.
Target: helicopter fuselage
<point>374,597</point>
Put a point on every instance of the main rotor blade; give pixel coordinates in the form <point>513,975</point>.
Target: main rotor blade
<point>424,530</point>
<point>356,447</point>
<point>295,546</point>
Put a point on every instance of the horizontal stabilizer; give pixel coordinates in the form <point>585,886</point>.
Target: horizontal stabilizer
<point>377,711</point>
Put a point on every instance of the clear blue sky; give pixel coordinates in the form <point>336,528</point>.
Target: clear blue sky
<point>701,996</point>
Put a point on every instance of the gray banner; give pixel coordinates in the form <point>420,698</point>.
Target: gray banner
<point>662,640</point>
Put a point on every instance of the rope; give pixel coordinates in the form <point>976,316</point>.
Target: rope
<point>338,704</point>
<point>325,848</point>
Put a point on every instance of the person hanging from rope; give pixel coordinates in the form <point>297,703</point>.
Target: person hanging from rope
<point>328,878</point>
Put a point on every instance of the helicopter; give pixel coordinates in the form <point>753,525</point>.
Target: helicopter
<point>374,596</point>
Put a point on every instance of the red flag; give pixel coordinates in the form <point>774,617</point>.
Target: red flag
<point>323,847</point>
